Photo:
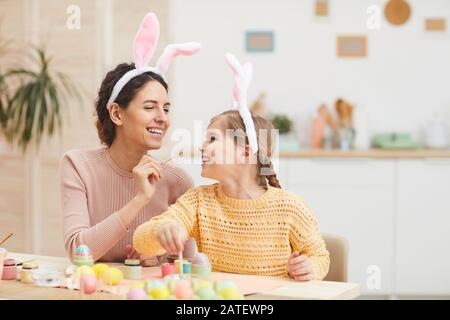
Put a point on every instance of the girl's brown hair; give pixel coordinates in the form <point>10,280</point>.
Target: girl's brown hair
<point>233,120</point>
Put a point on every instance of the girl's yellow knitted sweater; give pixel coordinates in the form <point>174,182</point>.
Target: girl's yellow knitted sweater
<point>254,236</point>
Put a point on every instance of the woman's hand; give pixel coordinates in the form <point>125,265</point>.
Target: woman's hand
<point>300,267</point>
<point>146,261</point>
<point>171,237</point>
<point>146,173</point>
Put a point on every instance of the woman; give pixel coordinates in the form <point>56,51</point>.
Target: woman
<point>108,192</point>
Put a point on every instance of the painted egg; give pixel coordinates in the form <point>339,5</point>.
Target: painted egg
<point>201,259</point>
<point>138,284</point>
<point>229,284</point>
<point>160,293</point>
<point>99,268</point>
<point>112,276</point>
<point>206,293</point>
<point>230,293</point>
<point>183,290</point>
<point>82,270</point>
<point>136,294</point>
<point>83,250</point>
<point>205,284</point>
<point>88,283</point>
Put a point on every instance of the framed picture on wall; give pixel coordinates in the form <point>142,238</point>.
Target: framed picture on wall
<point>435,24</point>
<point>259,41</point>
<point>351,46</point>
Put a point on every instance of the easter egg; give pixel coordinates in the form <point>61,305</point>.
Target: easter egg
<point>195,283</point>
<point>160,293</point>
<point>205,284</point>
<point>83,250</point>
<point>147,297</point>
<point>82,270</point>
<point>136,294</point>
<point>230,293</point>
<point>183,290</point>
<point>99,268</point>
<point>171,284</point>
<point>138,284</point>
<point>112,276</point>
<point>200,259</point>
<point>154,284</point>
<point>229,284</point>
<point>88,283</point>
<point>206,293</point>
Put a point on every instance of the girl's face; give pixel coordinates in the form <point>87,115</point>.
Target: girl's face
<point>221,155</point>
<point>146,120</point>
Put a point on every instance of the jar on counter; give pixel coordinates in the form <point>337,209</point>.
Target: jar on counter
<point>25,274</point>
<point>132,269</point>
<point>9,270</point>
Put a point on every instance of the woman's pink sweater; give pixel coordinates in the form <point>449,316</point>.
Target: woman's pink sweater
<point>94,188</point>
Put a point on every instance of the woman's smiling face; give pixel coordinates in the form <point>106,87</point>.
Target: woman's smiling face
<point>146,120</point>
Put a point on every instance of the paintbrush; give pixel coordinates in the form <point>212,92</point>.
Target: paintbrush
<point>9,236</point>
<point>180,154</point>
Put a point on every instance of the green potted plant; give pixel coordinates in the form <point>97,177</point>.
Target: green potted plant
<point>33,107</point>
<point>287,140</point>
<point>3,89</point>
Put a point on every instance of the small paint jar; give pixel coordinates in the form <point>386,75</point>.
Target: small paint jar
<point>167,269</point>
<point>186,267</point>
<point>25,274</point>
<point>179,265</point>
<point>132,269</point>
<point>9,270</point>
<point>202,271</point>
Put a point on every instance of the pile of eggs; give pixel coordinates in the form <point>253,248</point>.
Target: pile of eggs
<point>89,277</point>
<point>175,287</point>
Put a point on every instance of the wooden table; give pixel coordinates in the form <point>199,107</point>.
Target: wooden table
<point>10,289</point>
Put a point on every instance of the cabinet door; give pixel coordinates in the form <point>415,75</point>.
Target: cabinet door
<point>353,198</point>
<point>423,237</point>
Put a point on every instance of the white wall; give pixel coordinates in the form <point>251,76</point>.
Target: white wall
<point>404,79</point>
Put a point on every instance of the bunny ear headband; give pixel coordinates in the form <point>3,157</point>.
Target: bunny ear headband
<point>144,47</point>
<point>242,77</point>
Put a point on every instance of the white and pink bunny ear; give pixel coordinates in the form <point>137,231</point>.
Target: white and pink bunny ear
<point>146,40</point>
<point>144,46</point>
<point>242,76</point>
<point>172,51</point>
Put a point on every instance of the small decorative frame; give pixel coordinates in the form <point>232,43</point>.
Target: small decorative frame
<point>321,8</point>
<point>351,46</point>
<point>259,41</point>
<point>435,24</point>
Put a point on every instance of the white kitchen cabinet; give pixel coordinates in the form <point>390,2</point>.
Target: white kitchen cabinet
<point>353,198</point>
<point>423,227</point>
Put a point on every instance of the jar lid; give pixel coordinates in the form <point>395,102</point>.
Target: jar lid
<point>30,265</point>
<point>132,262</point>
<point>9,262</point>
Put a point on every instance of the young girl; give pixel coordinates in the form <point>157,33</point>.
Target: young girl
<point>245,223</point>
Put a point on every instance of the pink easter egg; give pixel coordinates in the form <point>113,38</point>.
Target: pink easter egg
<point>183,290</point>
<point>136,294</point>
<point>88,283</point>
